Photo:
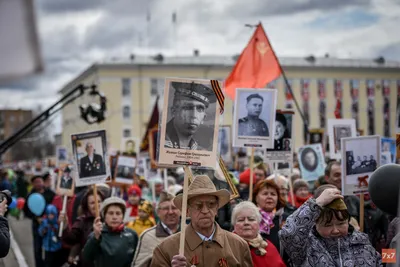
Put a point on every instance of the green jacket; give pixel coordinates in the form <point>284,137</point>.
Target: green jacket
<point>112,249</point>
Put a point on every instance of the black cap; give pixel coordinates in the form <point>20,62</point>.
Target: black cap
<point>196,91</point>
<point>36,177</point>
<point>281,118</point>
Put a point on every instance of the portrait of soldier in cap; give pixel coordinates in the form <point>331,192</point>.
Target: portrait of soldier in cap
<point>185,127</point>
<point>252,124</point>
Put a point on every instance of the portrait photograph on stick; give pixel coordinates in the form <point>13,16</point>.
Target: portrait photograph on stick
<point>361,156</point>
<point>153,151</point>
<point>130,146</point>
<point>254,118</point>
<point>219,176</point>
<point>338,129</point>
<point>311,162</point>
<point>283,146</point>
<point>316,136</point>
<point>61,156</point>
<point>91,159</point>
<point>225,143</point>
<point>190,123</point>
<point>389,145</point>
<point>65,182</point>
<point>125,169</point>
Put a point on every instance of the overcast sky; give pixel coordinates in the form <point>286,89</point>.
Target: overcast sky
<point>76,33</point>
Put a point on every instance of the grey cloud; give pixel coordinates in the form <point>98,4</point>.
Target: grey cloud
<point>391,52</point>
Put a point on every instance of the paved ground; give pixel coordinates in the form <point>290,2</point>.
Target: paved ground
<point>23,237</point>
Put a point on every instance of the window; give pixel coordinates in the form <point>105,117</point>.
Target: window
<point>12,118</point>
<point>126,87</point>
<point>154,87</point>
<point>126,112</point>
<point>127,133</point>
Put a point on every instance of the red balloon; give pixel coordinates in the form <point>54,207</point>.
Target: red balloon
<point>20,203</point>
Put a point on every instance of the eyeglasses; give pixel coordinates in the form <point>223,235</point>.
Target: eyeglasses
<point>199,205</point>
<point>166,209</point>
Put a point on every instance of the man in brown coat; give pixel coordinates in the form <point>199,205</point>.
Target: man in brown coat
<point>206,244</point>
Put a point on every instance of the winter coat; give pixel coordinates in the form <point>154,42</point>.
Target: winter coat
<point>4,237</point>
<point>139,225</point>
<point>306,247</point>
<point>115,249</point>
<point>48,229</point>
<point>224,246</point>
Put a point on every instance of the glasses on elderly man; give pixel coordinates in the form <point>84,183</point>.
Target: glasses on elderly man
<point>199,205</point>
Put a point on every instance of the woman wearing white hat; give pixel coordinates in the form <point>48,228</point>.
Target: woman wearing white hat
<point>111,243</point>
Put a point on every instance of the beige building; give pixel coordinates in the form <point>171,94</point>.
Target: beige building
<point>131,88</point>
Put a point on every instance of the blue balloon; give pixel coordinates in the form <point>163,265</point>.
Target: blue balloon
<point>13,204</point>
<point>36,204</point>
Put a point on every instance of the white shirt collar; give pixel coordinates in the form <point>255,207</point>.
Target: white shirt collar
<point>204,238</point>
<point>90,158</point>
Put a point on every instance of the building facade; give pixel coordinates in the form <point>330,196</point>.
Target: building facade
<point>12,120</point>
<point>366,90</point>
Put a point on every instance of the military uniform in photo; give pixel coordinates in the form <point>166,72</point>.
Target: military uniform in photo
<point>66,179</point>
<point>92,166</point>
<point>252,125</point>
<point>182,124</point>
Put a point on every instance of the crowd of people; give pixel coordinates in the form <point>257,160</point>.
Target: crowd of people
<point>286,221</point>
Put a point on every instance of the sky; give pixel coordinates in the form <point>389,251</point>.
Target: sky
<point>74,34</point>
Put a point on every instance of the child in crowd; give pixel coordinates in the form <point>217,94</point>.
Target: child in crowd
<point>145,218</point>
<point>48,229</point>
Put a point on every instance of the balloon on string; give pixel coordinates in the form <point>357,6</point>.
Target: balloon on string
<point>384,187</point>
<point>36,204</point>
<point>20,203</point>
<point>13,203</point>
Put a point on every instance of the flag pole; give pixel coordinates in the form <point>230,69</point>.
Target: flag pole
<point>305,122</point>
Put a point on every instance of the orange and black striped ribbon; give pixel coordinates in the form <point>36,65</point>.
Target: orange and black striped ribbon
<point>218,93</point>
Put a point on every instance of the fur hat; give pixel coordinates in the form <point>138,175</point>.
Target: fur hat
<point>112,201</point>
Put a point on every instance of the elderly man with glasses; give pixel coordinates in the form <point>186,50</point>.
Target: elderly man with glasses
<point>206,244</point>
<point>169,224</point>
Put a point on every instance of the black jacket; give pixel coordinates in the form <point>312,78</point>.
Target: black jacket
<point>48,195</point>
<point>94,168</point>
<point>4,237</point>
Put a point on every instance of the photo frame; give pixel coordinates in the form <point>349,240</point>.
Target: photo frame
<point>61,155</point>
<point>124,171</point>
<point>254,118</point>
<point>130,146</point>
<point>311,161</point>
<point>66,182</point>
<point>389,145</point>
<point>361,157</point>
<point>90,157</point>
<point>338,129</point>
<point>199,147</point>
<point>225,143</point>
<point>283,142</point>
<point>316,136</point>
<point>220,176</point>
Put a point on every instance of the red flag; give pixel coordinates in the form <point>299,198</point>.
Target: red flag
<point>255,67</point>
<point>337,109</point>
<point>153,123</point>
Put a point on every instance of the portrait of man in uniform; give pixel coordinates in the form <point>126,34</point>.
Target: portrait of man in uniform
<point>252,124</point>
<point>66,179</point>
<point>186,127</point>
<point>92,164</point>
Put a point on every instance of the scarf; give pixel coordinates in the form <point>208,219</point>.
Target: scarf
<point>117,229</point>
<point>259,244</point>
<point>266,221</point>
<point>298,201</point>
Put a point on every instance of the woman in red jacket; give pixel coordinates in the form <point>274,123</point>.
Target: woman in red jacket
<point>246,221</point>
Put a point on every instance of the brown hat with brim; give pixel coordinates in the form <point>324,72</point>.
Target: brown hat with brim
<point>203,186</point>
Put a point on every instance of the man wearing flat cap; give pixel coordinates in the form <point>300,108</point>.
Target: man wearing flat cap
<point>191,101</point>
<point>206,244</point>
<point>252,125</point>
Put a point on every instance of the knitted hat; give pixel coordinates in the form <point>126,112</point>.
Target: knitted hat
<point>298,184</point>
<point>135,189</point>
<point>146,206</point>
<point>112,201</point>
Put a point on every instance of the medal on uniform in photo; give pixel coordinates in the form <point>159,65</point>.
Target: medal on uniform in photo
<point>194,261</point>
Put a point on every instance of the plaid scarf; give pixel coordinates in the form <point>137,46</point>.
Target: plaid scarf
<point>266,221</point>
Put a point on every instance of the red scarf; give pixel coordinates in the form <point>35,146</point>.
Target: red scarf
<point>298,201</point>
<point>117,229</point>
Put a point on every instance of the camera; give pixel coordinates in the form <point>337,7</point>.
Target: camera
<point>6,194</point>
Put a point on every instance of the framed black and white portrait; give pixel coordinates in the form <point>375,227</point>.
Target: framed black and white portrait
<point>338,129</point>
<point>130,146</point>
<point>91,159</point>
<point>65,181</point>
<point>361,156</point>
<point>61,156</point>
<point>225,143</point>
<point>316,136</point>
<point>311,161</point>
<point>189,124</point>
<point>254,118</point>
<point>283,142</point>
<point>125,169</point>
